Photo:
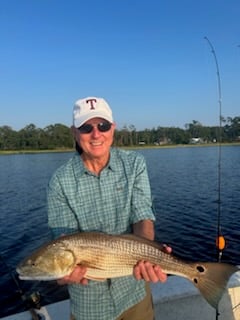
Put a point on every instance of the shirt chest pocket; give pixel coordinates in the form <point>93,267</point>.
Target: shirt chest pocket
<point>122,196</point>
<point>105,208</point>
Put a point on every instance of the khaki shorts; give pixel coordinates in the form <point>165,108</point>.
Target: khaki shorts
<point>140,311</point>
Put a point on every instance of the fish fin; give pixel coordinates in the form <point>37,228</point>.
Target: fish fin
<point>88,264</point>
<point>91,267</point>
<point>94,278</point>
<point>211,279</point>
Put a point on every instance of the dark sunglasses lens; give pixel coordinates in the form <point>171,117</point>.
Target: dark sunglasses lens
<point>85,128</point>
<point>104,126</point>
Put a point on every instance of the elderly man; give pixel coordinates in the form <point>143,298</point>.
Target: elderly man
<point>103,189</point>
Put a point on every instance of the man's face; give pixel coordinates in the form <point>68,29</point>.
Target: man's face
<point>96,143</point>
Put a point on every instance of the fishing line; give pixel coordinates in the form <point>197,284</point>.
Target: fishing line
<point>220,241</point>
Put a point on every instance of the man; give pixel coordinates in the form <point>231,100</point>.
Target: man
<point>103,189</point>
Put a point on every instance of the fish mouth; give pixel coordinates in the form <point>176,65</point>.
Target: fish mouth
<point>27,275</point>
<point>38,278</point>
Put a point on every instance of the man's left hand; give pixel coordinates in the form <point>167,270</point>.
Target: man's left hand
<point>150,272</point>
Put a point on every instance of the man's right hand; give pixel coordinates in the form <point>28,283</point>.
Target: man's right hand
<point>76,277</point>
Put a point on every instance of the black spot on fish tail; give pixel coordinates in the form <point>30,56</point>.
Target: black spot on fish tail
<point>211,279</point>
<point>200,268</point>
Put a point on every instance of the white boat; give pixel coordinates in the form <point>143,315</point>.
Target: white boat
<point>175,299</point>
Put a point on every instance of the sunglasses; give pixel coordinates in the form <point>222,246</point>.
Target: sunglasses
<point>102,127</point>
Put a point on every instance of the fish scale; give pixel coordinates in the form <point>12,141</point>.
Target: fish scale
<point>127,256</point>
<point>111,256</point>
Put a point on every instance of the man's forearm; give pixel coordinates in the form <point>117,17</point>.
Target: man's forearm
<point>145,229</point>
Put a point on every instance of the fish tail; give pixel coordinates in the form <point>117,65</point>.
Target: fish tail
<point>211,279</point>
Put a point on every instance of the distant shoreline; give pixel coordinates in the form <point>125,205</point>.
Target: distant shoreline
<point>9,152</point>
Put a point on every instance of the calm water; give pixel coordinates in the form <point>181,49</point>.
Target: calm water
<point>184,187</point>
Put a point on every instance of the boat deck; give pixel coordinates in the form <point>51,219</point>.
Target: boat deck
<point>175,299</point>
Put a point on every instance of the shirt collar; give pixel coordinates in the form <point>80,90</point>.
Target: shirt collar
<point>113,160</point>
<point>81,169</point>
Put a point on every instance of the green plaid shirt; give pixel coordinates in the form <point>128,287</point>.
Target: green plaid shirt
<point>112,202</point>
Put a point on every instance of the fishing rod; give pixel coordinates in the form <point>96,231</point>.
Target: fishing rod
<point>220,241</point>
<point>31,301</point>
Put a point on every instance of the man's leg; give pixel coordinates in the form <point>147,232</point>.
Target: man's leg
<point>142,310</point>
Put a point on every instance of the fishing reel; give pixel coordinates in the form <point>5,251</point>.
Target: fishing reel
<point>31,301</point>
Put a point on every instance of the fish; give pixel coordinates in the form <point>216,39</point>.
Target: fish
<point>111,256</point>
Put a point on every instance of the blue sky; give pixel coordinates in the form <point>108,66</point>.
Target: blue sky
<point>147,58</point>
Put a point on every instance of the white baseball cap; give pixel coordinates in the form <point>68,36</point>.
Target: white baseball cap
<point>91,107</point>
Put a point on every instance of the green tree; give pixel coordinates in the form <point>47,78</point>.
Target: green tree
<point>232,128</point>
<point>8,138</point>
<point>58,136</point>
<point>29,137</point>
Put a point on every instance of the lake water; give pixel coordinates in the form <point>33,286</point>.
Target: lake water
<point>184,185</point>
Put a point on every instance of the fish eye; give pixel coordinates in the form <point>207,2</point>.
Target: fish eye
<point>32,263</point>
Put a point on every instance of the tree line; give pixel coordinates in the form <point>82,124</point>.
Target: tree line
<point>58,136</point>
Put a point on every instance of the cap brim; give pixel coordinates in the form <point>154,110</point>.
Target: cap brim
<point>79,122</point>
